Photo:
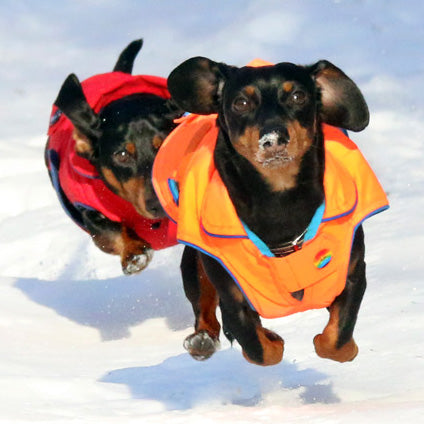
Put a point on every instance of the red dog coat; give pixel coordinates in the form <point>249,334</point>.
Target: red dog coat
<point>76,180</point>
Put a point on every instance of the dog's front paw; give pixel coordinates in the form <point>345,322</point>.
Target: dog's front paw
<point>326,349</point>
<point>132,264</point>
<point>201,345</point>
<point>272,348</point>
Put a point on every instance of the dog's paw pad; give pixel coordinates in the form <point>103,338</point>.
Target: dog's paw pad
<point>201,345</point>
<point>136,263</point>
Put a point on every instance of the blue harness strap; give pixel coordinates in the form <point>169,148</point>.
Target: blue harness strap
<point>310,233</point>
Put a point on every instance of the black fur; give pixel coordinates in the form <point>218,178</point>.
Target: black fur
<point>71,100</point>
<point>126,58</point>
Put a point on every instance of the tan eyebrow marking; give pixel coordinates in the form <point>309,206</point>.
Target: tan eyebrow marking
<point>287,86</point>
<point>249,90</point>
<point>130,147</point>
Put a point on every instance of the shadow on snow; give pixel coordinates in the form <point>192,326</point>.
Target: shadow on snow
<point>114,305</point>
<point>227,378</point>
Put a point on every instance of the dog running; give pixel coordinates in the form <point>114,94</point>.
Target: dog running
<point>268,194</point>
<point>103,136</point>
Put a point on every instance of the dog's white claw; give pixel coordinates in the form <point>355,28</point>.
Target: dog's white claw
<point>138,262</point>
<point>201,345</point>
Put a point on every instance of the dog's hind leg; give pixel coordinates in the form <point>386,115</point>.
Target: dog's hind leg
<point>336,341</point>
<point>204,299</point>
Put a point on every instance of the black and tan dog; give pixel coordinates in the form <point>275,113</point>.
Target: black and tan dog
<point>104,134</point>
<point>269,196</point>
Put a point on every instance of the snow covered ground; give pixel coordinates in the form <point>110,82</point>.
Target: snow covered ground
<point>79,342</point>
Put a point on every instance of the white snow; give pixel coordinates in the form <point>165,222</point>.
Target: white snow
<point>80,342</point>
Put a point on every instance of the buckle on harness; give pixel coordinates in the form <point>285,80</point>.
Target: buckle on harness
<point>290,246</point>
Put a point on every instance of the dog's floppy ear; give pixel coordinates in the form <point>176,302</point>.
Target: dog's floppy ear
<point>73,103</point>
<point>196,85</point>
<point>342,102</point>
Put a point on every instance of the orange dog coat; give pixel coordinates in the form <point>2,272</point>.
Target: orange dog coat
<point>194,196</point>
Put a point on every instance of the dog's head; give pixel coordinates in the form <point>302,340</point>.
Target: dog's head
<point>270,114</point>
<point>121,140</point>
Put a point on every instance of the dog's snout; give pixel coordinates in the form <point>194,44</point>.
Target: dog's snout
<point>273,136</point>
<point>154,207</point>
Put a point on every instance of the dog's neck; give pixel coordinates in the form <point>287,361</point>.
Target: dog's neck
<point>276,217</point>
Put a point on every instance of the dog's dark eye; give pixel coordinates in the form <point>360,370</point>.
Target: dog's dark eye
<point>123,157</point>
<point>241,105</point>
<point>298,97</point>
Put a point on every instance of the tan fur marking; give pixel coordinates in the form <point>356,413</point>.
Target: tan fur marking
<point>282,177</point>
<point>277,178</point>
<point>82,144</point>
<point>301,137</point>
<point>325,343</point>
<point>285,177</point>
<point>109,176</point>
<point>207,304</point>
<point>280,180</point>
<point>130,148</point>
<point>287,86</point>
<point>109,243</point>
<point>272,345</point>
<point>157,141</point>
<point>132,245</point>
<point>250,90</point>
<point>131,190</point>
<point>125,244</point>
<point>248,142</point>
<point>237,294</point>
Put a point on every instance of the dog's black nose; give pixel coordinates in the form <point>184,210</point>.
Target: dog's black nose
<point>273,136</point>
<point>154,207</point>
